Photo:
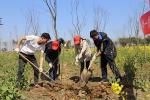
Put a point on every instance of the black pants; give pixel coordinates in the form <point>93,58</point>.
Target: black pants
<point>82,65</point>
<point>112,65</point>
<point>22,63</point>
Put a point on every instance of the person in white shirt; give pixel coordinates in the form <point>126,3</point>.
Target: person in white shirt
<point>31,45</point>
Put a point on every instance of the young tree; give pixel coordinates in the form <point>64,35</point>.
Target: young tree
<point>53,11</point>
<point>32,22</point>
<point>101,18</point>
<point>5,46</point>
<point>77,23</point>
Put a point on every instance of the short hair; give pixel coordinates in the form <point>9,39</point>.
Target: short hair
<point>93,33</point>
<point>46,36</point>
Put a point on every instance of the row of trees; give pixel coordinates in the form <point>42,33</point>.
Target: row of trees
<point>101,17</point>
<point>133,41</point>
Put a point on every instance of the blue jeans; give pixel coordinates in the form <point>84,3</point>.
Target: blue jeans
<point>53,70</point>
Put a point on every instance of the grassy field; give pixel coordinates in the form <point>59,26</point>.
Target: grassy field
<point>134,69</point>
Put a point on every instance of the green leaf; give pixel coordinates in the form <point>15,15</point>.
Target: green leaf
<point>11,96</point>
<point>8,98</point>
<point>23,96</point>
<point>4,88</point>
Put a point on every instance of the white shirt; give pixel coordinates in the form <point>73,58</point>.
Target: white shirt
<point>30,46</point>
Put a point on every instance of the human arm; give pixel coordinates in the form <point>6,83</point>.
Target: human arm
<point>98,53</point>
<point>41,62</point>
<point>41,59</point>
<point>19,43</point>
<point>76,55</point>
<point>76,52</point>
<point>48,56</point>
<point>84,47</point>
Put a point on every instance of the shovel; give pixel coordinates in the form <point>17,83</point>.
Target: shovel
<point>55,61</point>
<point>86,73</point>
<point>37,67</point>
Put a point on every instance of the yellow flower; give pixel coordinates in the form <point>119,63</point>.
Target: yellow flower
<point>123,92</point>
<point>117,92</point>
<point>145,90</point>
<point>148,95</point>
<point>123,98</point>
<point>146,85</point>
<point>116,88</point>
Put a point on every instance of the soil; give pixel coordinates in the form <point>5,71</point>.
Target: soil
<point>75,91</point>
<point>68,87</point>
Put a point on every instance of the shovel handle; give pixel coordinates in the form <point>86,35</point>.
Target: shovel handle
<point>56,58</point>
<point>91,62</point>
<point>34,65</point>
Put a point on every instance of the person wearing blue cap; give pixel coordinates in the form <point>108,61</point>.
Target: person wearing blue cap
<point>107,51</point>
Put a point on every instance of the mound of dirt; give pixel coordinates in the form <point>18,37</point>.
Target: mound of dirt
<point>77,92</point>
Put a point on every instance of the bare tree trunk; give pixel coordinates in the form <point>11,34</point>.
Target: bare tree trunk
<point>53,12</point>
<point>78,26</point>
<point>32,22</point>
<point>101,18</point>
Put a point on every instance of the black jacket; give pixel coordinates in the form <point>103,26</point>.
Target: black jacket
<point>51,54</point>
<point>109,49</point>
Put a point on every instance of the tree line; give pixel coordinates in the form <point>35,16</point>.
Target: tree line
<point>132,41</point>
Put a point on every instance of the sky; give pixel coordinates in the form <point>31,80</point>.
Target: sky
<point>13,14</point>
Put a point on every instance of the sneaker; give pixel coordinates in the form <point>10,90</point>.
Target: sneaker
<point>37,86</point>
<point>103,81</point>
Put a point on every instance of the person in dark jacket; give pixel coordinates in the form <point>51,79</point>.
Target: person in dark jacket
<point>107,51</point>
<point>52,51</point>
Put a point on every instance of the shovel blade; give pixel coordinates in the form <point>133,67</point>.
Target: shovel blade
<point>85,75</point>
<point>43,77</point>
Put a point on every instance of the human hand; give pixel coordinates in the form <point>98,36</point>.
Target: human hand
<point>16,50</point>
<point>50,65</point>
<point>40,70</point>
<point>76,62</point>
<point>80,56</point>
<point>94,57</point>
<point>65,45</point>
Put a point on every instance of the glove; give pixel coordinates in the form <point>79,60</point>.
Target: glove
<point>65,45</point>
<point>80,56</point>
<point>17,50</point>
<point>76,62</point>
<point>50,65</point>
<point>94,57</point>
<point>40,69</point>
